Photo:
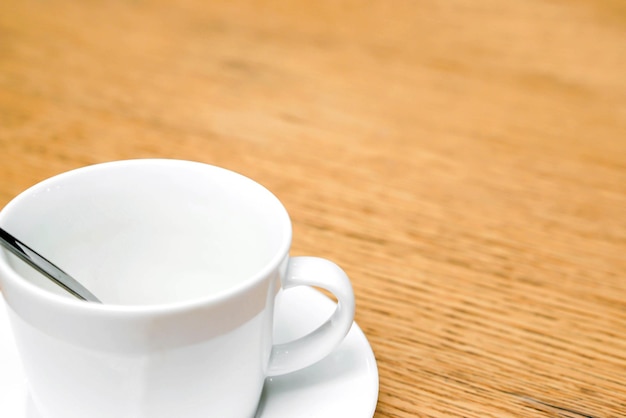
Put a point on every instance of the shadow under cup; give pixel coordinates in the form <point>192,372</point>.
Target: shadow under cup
<point>150,232</point>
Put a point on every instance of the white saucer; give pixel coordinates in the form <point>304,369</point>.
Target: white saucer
<point>344,384</point>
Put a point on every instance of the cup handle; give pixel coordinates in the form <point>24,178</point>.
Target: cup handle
<point>313,347</point>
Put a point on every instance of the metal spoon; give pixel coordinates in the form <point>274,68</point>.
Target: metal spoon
<point>39,263</point>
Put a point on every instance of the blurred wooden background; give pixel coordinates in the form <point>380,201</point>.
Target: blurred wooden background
<point>464,161</point>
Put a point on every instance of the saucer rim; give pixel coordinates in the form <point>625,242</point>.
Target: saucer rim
<point>356,337</point>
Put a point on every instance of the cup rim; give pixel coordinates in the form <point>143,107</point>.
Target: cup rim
<point>168,307</point>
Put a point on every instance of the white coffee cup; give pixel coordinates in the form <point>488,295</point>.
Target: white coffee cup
<point>188,259</point>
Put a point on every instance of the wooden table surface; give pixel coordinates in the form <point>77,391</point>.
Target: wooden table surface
<point>464,161</point>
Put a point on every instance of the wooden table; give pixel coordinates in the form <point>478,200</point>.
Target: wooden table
<point>464,161</point>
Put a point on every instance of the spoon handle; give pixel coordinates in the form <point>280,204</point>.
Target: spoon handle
<point>39,263</point>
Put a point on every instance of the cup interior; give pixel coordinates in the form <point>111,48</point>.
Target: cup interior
<point>145,232</point>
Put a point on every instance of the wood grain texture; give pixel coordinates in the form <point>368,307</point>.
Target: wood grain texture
<point>464,161</point>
